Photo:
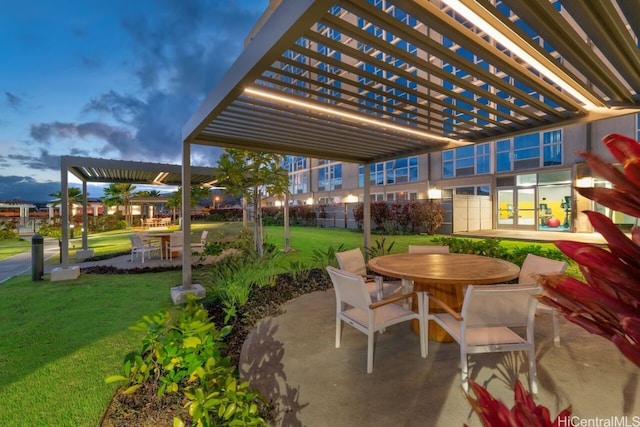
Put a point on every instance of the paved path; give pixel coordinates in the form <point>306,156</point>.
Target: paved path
<point>21,263</point>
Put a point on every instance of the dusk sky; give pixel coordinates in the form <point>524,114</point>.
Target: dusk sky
<point>113,79</point>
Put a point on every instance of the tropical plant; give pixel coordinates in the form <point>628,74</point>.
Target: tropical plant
<point>74,197</point>
<point>380,249</point>
<point>608,302</point>
<point>119,195</point>
<point>183,354</point>
<point>525,412</point>
<point>251,174</point>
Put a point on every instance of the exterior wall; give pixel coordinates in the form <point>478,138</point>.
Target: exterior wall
<point>472,213</point>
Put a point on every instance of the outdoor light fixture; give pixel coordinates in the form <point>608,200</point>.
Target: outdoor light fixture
<point>160,177</point>
<point>321,108</point>
<point>498,31</point>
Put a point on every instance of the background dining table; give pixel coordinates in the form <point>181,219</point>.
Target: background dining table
<point>444,276</point>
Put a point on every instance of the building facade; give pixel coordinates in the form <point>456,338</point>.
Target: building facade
<point>523,182</point>
<point>527,181</point>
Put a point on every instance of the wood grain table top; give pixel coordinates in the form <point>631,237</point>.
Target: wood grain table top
<point>446,268</point>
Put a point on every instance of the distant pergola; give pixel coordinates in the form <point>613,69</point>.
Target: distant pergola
<point>352,81</point>
<point>94,170</point>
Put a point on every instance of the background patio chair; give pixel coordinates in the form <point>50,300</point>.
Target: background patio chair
<point>428,249</point>
<point>487,320</point>
<point>174,244</point>
<point>534,265</point>
<point>354,307</point>
<point>199,247</point>
<point>139,247</point>
<point>352,261</point>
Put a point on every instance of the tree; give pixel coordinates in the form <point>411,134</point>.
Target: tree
<point>119,195</point>
<point>148,193</point>
<point>174,201</point>
<point>252,175</point>
<point>74,196</point>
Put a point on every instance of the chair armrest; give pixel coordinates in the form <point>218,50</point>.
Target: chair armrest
<point>391,300</point>
<point>446,308</point>
<point>369,278</point>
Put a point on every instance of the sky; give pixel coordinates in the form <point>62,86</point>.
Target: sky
<point>112,79</point>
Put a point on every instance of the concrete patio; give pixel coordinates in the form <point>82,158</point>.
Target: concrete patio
<point>291,359</point>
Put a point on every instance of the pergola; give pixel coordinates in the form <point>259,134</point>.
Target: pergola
<point>366,81</point>
<point>120,172</point>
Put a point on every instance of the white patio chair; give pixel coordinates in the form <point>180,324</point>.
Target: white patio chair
<point>354,307</point>
<point>203,242</point>
<point>140,247</point>
<point>534,265</point>
<point>487,320</point>
<point>353,262</point>
<point>174,244</point>
<point>428,249</point>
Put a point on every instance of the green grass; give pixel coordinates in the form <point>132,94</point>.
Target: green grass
<point>59,340</point>
<point>13,247</point>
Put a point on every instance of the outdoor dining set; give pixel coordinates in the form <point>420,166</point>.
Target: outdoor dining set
<point>448,297</point>
<point>167,245</point>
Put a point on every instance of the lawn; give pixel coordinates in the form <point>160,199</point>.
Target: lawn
<point>59,340</point>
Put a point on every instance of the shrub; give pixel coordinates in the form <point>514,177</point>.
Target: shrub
<point>183,354</point>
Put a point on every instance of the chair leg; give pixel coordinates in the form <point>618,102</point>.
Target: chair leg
<point>338,332</point>
<point>407,286</point>
<point>464,371</point>
<point>533,380</point>
<point>370,339</point>
<point>422,320</point>
<point>556,328</point>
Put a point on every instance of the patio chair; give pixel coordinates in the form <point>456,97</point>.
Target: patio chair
<point>203,242</point>
<point>354,307</point>
<point>534,265</point>
<point>487,320</point>
<point>428,249</point>
<point>138,246</point>
<point>353,262</point>
<point>174,244</point>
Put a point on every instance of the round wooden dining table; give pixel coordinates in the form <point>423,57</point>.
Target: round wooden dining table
<point>443,276</point>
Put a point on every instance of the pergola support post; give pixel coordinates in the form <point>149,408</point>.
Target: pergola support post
<point>178,292</point>
<point>64,272</point>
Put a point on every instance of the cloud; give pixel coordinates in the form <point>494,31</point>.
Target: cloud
<point>174,59</point>
<point>26,188</point>
<point>13,101</point>
<point>45,161</point>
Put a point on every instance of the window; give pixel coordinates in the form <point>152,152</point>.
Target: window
<point>481,190</point>
<point>329,176</point>
<point>552,148</point>
<point>529,151</point>
<point>396,171</point>
<point>466,161</point>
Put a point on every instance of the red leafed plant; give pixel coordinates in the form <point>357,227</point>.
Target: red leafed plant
<point>525,412</point>
<point>608,302</point>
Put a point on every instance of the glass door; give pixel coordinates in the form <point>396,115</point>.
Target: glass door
<point>517,208</point>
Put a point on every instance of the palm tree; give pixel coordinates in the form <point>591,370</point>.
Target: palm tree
<point>119,195</point>
<point>74,196</point>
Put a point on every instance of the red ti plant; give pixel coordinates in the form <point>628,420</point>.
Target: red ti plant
<point>525,412</point>
<point>608,304</point>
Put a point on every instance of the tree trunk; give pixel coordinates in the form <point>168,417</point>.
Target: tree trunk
<point>257,223</point>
